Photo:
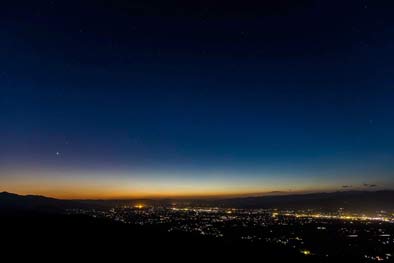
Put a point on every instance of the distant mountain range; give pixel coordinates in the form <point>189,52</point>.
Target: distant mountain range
<point>360,201</point>
<point>13,202</point>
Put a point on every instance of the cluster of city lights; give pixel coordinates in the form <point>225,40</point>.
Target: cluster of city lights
<point>338,217</point>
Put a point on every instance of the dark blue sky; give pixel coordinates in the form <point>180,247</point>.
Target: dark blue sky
<point>112,98</point>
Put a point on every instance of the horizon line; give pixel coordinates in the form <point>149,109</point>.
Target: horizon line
<point>203,197</point>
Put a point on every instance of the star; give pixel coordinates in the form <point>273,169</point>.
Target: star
<point>58,154</point>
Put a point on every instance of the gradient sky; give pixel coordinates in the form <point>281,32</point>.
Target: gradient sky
<point>108,99</point>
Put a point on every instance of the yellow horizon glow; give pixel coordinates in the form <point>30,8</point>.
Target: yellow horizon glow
<point>86,192</point>
<point>118,185</point>
<point>102,194</point>
<point>62,190</point>
<point>119,196</point>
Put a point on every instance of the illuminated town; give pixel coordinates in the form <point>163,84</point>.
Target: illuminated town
<point>307,232</point>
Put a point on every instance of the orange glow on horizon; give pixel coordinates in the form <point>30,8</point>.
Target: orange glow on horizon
<point>70,185</point>
<point>103,191</point>
<point>105,195</point>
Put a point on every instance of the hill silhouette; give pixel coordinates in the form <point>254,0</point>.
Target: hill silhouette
<point>37,226</point>
<point>357,201</point>
<point>10,202</point>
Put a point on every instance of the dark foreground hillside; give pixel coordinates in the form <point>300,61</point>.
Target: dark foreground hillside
<point>37,228</point>
<point>40,236</point>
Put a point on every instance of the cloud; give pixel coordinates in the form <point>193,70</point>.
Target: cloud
<point>369,185</point>
<point>347,186</point>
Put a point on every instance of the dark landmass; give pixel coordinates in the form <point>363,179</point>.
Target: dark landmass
<point>356,201</point>
<point>75,237</point>
<point>42,235</point>
<point>13,203</point>
<point>39,227</point>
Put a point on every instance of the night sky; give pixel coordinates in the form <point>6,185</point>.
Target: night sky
<point>110,99</point>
